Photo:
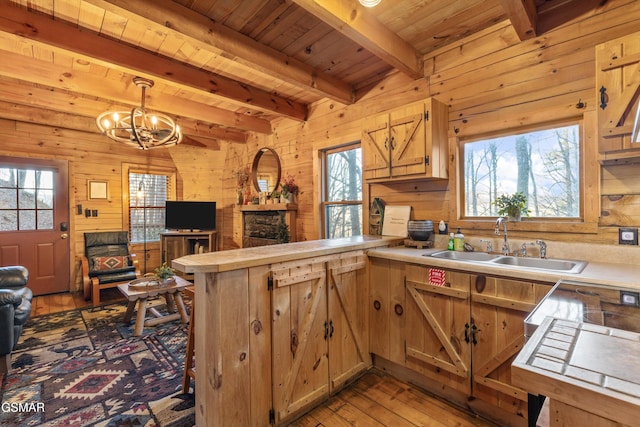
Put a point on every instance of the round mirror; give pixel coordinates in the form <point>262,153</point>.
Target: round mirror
<point>266,170</point>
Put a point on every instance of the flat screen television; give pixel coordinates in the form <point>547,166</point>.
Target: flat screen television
<point>190,215</point>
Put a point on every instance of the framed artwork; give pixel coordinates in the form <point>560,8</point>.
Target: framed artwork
<point>98,190</point>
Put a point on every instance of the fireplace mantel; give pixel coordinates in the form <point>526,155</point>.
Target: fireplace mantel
<point>270,207</point>
<point>260,223</point>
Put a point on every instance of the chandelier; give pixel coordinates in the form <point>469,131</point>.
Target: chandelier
<point>137,128</point>
<point>369,3</point>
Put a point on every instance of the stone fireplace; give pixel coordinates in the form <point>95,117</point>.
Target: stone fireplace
<point>261,224</point>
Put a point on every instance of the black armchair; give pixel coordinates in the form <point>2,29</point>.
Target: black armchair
<point>15,309</point>
<point>107,262</point>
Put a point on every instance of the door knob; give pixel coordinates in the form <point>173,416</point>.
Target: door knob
<point>64,235</point>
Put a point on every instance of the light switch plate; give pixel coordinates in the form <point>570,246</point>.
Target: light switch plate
<point>628,236</point>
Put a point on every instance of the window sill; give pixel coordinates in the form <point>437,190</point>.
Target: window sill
<point>529,225</point>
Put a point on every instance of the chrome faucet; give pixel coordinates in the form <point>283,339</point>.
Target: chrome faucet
<point>505,245</point>
<point>543,248</point>
<point>523,249</point>
<point>489,245</point>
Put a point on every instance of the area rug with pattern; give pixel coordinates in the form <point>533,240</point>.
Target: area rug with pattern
<point>85,368</point>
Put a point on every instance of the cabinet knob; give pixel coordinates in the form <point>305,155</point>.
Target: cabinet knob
<point>376,305</point>
<point>398,309</point>
<point>481,283</point>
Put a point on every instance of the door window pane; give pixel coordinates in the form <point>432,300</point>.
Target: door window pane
<point>26,199</point>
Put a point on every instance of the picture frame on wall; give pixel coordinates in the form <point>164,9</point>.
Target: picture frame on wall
<point>98,190</point>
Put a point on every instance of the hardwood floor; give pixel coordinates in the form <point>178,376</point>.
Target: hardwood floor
<point>47,304</point>
<point>376,399</point>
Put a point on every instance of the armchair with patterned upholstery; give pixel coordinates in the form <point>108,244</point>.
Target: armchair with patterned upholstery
<point>15,309</point>
<point>107,262</point>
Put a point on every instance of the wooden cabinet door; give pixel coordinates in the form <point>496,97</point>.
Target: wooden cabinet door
<point>348,317</point>
<point>299,336</point>
<point>375,147</point>
<point>437,326</point>
<point>386,309</point>
<point>407,141</point>
<point>617,82</point>
<point>498,309</point>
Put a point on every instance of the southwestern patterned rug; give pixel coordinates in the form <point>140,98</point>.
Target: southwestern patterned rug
<point>85,368</point>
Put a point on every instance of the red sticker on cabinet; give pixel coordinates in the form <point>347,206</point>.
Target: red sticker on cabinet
<point>436,277</point>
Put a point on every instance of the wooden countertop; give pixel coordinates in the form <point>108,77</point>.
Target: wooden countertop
<point>625,275</point>
<point>235,259</point>
<point>590,367</point>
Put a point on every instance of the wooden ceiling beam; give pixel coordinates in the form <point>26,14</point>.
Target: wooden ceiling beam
<point>523,16</point>
<point>353,21</point>
<point>116,94</point>
<point>167,15</point>
<point>42,29</point>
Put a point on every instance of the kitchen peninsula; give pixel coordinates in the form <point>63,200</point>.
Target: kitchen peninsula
<point>266,318</point>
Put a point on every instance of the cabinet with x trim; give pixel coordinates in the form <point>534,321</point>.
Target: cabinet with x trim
<point>406,143</point>
<point>319,329</point>
<point>463,330</point>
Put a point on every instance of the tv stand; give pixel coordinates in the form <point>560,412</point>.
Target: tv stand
<point>179,243</point>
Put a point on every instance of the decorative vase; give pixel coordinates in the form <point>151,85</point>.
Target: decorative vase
<point>168,281</point>
<point>283,198</point>
<point>514,216</point>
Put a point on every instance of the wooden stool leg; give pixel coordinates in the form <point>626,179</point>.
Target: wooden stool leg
<point>188,360</point>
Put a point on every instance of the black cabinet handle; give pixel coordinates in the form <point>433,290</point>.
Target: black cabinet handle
<point>466,332</point>
<point>326,330</point>
<point>331,328</point>
<point>474,331</point>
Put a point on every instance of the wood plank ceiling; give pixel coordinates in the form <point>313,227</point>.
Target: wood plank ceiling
<point>224,68</point>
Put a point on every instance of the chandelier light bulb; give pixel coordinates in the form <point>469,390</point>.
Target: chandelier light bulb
<point>369,3</point>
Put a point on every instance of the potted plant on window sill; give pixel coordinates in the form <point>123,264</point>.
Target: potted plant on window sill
<point>513,206</point>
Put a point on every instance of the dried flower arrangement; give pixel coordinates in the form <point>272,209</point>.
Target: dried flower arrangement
<point>289,186</point>
<point>242,177</point>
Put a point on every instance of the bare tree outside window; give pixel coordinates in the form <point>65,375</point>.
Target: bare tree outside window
<point>343,191</point>
<point>542,164</point>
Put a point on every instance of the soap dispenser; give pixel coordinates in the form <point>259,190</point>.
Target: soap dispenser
<point>458,241</point>
<point>450,246</point>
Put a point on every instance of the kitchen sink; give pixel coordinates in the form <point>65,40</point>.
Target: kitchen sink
<point>568,266</point>
<point>464,256</point>
<point>561,265</point>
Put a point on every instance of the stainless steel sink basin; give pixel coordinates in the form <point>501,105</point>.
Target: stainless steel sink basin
<point>464,256</point>
<point>567,266</point>
<point>559,265</point>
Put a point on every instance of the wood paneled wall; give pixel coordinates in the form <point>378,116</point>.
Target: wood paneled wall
<point>491,82</point>
<point>92,156</point>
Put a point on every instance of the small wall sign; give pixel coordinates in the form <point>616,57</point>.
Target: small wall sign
<point>98,190</point>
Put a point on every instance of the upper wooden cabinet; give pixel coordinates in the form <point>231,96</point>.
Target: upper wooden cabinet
<point>406,143</point>
<point>617,85</point>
